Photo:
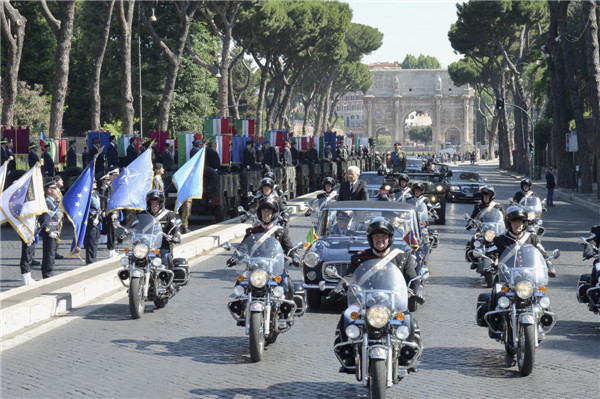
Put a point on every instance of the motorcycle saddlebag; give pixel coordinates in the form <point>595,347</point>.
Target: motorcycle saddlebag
<point>181,269</point>
<point>483,306</point>
<point>582,286</point>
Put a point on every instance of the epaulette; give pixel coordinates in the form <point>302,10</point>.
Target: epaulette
<point>362,252</point>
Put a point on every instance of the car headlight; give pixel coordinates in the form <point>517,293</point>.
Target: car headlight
<point>125,261</point>
<point>477,244</point>
<point>259,278</point>
<point>378,316</point>
<point>311,275</point>
<point>140,251</point>
<point>455,188</point>
<point>311,259</point>
<point>402,332</point>
<point>278,291</point>
<point>439,188</point>
<point>156,262</point>
<point>433,199</point>
<point>503,302</point>
<point>545,302</point>
<point>530,215</point>
<point>489,235</point>
<point>524,289</point>
<point>352,331</point>
<point>238,290</point>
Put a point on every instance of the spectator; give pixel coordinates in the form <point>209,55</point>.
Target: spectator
<point>295,154</point>
<point>267,154</point>
<point>32,157</point>
<point>328,153</point>
<point>259,155</point>
<point>112,155</point>
<point>212,156</point>
<point>249,156</point>
<point>100,161</point>
<point>313,154</point>
<point>550,184</point>
<point>132,153</point>
<point>85,157</point>
<point>168,158</point>
<point>71,154</point>
<point>287,154</point>
<point>48,161</point>
<point>353,189</point>
<point>157,181</point>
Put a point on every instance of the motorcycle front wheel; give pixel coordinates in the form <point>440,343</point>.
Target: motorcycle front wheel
<point>526,349</point>
<point>257,336</point>
<point>377,379</point>
<point>137,305</point>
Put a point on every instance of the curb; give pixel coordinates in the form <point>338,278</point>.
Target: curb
<point>24,306</point>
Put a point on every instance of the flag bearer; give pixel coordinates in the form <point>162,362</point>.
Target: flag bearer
<point>49,229</point>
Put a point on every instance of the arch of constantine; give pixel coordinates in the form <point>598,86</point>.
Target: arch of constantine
<point>397,92</point>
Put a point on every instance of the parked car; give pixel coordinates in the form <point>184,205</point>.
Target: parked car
<point>465,185</point>
<point>335,249</point>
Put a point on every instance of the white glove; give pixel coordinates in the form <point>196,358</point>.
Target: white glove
<point>96,221</point>
<point>54,234</point>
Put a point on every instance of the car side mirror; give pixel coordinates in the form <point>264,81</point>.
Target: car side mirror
<point>241,209</point>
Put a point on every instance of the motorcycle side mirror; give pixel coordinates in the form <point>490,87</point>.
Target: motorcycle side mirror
<point>424,274</point>
<point>286,193</point>
<point>250,194</point>
<point>114,216</point>
<point>477,253</point>
<point>227,246</point>
<point>485,179</point>
<point>436,206</point>
<point>467,216</point>
<point>556,254</point>
<point>321,285</point>
<point>544,201</point>
<point>241,209</point>
<point>331,271</point>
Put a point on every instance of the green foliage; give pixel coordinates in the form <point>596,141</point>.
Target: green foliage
<point>423,62</point>
<point>422,134</point>
<point>384,141</point>
<point>32,107</point>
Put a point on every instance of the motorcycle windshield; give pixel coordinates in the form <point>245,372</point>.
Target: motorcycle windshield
<point>532,204</point>
<point>492,220</point>
<point>381,283</point>
<point>522,262</point>
<point>263,252</point>
<point>146,230</point>
<point>421,210</point>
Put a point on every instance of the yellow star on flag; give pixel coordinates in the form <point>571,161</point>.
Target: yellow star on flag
<point>85,189</point>
<point>77,204</point>
<point>78,213</point>
<point>79,195</point>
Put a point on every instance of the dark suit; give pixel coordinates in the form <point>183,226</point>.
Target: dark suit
<point>359,191</point>
<point>275,161</point>
<point>48,164</point>
<point>99,161</point>
<point>260,156</point>
<point>168,160</point>
<point>131,154</point>
<point>287,157</point>
<point>267,156</point>
<point>212,157</point>
<point>295,155</point>
<point>4,156</point>
<point>33,158</point>
<point>313,155</point>
<point>12,165</point>
<point>71,158</point>
<point>249,159</point>
<point>112,156</point>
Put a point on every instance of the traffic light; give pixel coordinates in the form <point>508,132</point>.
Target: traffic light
<point>530,147</point>
<point>499,104</point>
<point>371,142</point>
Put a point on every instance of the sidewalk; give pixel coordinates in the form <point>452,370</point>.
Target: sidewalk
<point>26,305</point>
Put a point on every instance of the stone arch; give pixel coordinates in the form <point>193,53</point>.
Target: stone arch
<point>452,135</point>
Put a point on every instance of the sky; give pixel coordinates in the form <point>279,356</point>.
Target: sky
<point>408,27</point>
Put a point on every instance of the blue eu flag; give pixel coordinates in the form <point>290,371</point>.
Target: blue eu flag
<point>132,184</point>
<point>76,203</point>
<point>189,179</point>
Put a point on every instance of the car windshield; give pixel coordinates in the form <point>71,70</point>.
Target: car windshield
<point>466,176</point>
<point>261,251</point>
<point>146,230</point>
<point>372,179</point>
<point>414,163</point>
<point>522,262</point>
<point>376,282</point>
<point>355,222</point>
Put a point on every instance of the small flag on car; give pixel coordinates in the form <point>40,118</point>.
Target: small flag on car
<point>311,237</point>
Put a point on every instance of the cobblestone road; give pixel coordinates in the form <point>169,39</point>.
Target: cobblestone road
<point>192,348</point>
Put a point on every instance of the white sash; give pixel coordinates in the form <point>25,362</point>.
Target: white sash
<point>379,265</point>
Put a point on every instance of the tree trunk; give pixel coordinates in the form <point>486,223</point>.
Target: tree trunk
<point>585,169</point>
<point>125,23</point>
<point>593,67</point>
<point>96,102</point>
<point>492,137</point>
<point>63,30</point>
<point>13,34</point>
<point>264,72</point>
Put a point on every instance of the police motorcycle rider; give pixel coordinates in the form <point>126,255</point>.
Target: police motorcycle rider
<point>487,202</point>
<point>516,220</point>
<point>267,213</point>
<point>587,286</point>
<point>380,234</point>
<point>525,192</point>
<point>329,194</point>
<point>403,191</point>
<point>276,187</point>
<point>155,206</point>
<point>267,190</point>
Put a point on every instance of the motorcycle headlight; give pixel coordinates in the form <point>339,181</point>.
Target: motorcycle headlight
<point>352,331</point>
<point>259,278</point>
<point>278,292</point>
<point>477,244</point>
<point>433,199</point>
<point>156,262</point>
<point>238,290</point>
<point>545,302</point>
<point>524,289</point>
<point>489,235</point>
<point>503,302</point>
<point>125,261</point>
<point>140,251</point>
<point>378,316</point>
<point>311,259</point>
<point>402,332</point>
<point>439,188</point>
<point>530,215</point>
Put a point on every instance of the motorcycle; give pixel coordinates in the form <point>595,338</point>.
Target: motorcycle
<point>533,208</point>
<point>517,312</point>
<point>261,303</point>
<point>430,236</point>
<point>489,224</point>
<point>153,273</point>
<point>588,286</point>
<point>380,341</point>
<point>316,205</point>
